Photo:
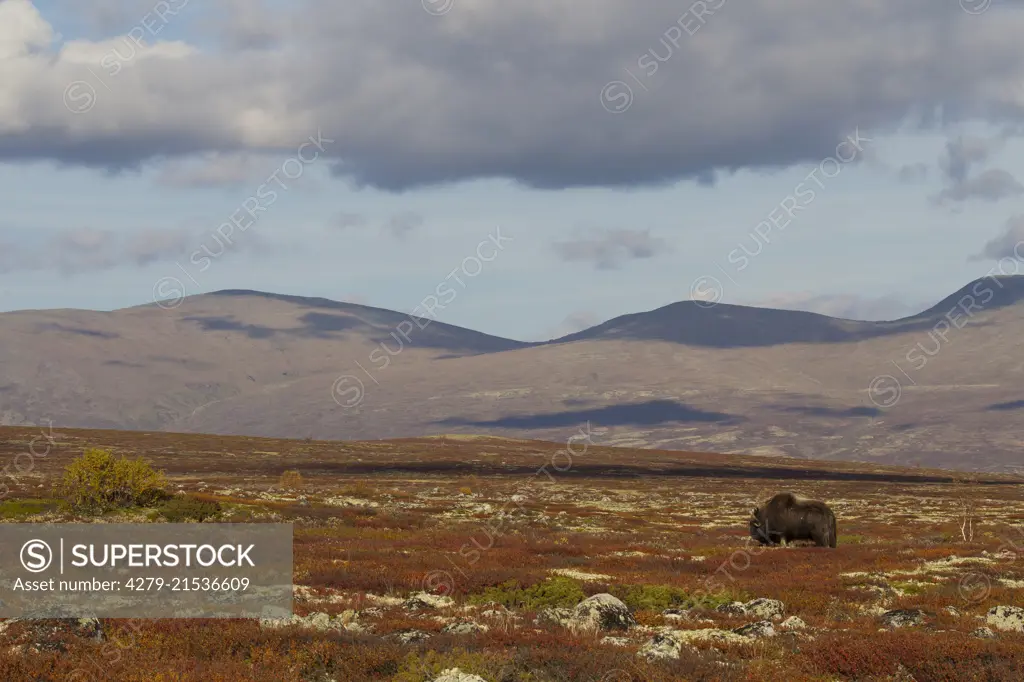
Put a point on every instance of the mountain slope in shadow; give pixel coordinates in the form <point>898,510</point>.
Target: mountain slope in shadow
<point>327,319</point>
<point>697,323</point>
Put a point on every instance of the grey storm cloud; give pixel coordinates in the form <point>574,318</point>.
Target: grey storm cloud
<point>964,152</point>
<point>513,90</point>
<point>1008,244</point>
<point>990,185</point>
<point>962,155</point>
<point>609,249</point>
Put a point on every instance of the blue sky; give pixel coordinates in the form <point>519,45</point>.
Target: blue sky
<point>613,215</point>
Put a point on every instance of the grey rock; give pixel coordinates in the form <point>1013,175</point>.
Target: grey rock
<point>615,641</point>
<point>601,612</point>
<point>903,618</point>
<point>317,621</point>
<point>422,601</point>
<point>663,646</point>
<point>464,628</point>
<point>49,634</point>
<point>1006,618</point>
<point>793,623</point>
<point>409,636</point>
<point>762,628</point>
<point>555,616</point>
<point>456,675</point>
<point>765,609</point>
<point>736,608</point>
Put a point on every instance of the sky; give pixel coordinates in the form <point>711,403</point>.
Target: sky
<point>552,166</point>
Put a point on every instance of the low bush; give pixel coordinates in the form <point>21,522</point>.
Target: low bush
<point>98,482</point>
<point>189,508</point>
<point>290,479</point>
<point>661,597</point>
<point>557,591</point>
<point>651,597</point>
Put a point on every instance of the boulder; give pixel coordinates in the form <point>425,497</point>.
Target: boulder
<point>346,620</point>
<point>765,609</point>
<point>465,627</point>
<point>736,608</point>
<point>601,612</point>
<point>1006,618</point>
<point>663,646</point>
<point>762,628</point>
<point>903,618</point>
<point>456,675</point>
<point>615,641</point>
<point>556,616</point>
<point>424,600</point>
<point>793,623</point>
<point>669,643</point>
<point>983,633</point>
<point>50,634</point>
<point>409,636</point>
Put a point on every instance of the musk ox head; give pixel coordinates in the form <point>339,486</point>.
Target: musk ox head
<point>758,527</point>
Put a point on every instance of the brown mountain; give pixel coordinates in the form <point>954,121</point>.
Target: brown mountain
<point>941,388</point>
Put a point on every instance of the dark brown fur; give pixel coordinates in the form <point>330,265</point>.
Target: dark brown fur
<point>786,517</point>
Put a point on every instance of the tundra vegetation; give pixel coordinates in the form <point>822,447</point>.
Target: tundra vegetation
<point>424,560</point>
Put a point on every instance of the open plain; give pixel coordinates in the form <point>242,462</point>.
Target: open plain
<point>426,559</point>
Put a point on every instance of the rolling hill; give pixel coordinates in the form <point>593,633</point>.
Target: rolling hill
<point>941,388</point>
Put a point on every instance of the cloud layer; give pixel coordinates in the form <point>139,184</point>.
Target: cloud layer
<point>73,251</point>
<point>609,249</point>
<point>1008,244</point>
<point>962,154</point>
<point>512,90</point>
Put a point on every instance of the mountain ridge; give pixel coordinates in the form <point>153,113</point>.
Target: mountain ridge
<point>726,378</point>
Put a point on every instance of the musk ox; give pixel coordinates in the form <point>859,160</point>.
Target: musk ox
<point>786,517</point>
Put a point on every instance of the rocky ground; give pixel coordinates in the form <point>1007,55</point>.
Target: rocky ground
<point>482,559</point>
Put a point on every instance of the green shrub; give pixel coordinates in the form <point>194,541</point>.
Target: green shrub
<point>652,597</point>
<point>557,591</point>
<point>98,482</point>
<point>661,597</point>
<point>25,507</point>
<point>189,508</point>
<point>713,601</point>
